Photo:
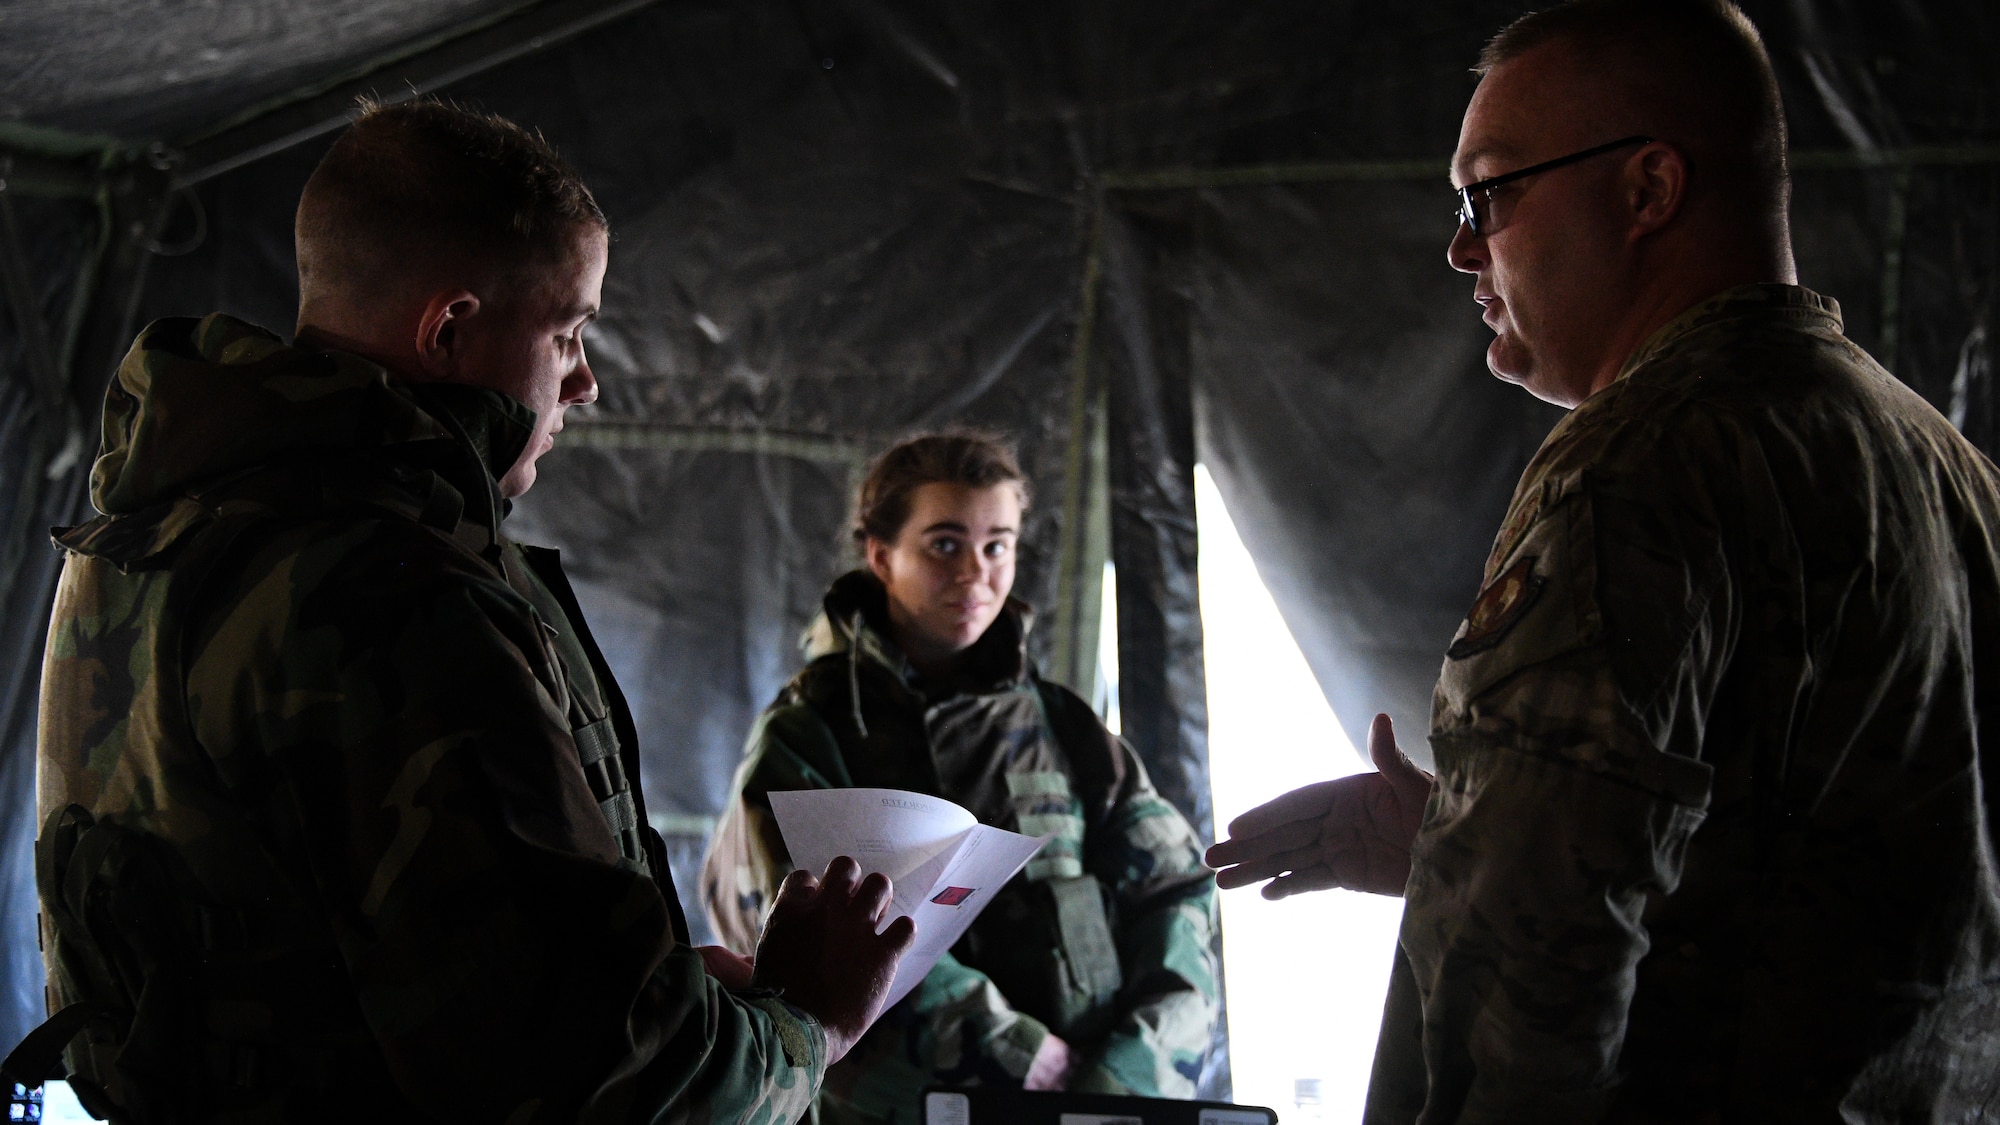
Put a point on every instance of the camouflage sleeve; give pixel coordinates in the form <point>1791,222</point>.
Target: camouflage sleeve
<point>788,748</point>
<point>954,1029</point>
<point>1147,852</point>
<point>955,1026</point>
<point>404,717</point>
<point>1568,722</point>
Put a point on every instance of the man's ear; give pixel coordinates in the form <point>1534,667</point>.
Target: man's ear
<point>1656,182</point>
<point>440,332</point>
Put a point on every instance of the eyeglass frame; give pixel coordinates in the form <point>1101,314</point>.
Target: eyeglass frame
<point>1468,212</point>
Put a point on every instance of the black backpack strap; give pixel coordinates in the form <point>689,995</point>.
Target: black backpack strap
<point>39,1057</point>
<point>64,876</point>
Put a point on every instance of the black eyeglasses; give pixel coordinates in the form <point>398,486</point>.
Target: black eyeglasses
<point>1474,199</point>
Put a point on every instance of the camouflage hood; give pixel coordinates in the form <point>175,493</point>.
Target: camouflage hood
<point>196,401</point>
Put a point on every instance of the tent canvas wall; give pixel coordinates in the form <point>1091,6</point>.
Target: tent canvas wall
<point>1131,235</point>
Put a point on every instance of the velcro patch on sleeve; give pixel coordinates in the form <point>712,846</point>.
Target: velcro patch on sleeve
<point>1538,606</point>
<point>1504,601</point>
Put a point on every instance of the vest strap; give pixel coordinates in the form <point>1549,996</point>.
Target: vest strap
<point>595,741</point>
<point>39,1057</point>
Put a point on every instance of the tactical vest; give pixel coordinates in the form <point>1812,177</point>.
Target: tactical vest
<point>1075,992</point>
<point>599,719</point>
<point>1047,939</point>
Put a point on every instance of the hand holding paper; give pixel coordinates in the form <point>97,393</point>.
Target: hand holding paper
<point>944,865</point>
<point>826,946</point>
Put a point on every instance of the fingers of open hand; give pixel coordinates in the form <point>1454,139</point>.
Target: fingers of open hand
<point>1410,783</point>
<point>1300,880</point>
<point>1260,857</point>
<point>1324,863</point>
<point>1396,809</point>
<point>1381,740</point>
<point>1337,851</point>
<point>1305,803</point>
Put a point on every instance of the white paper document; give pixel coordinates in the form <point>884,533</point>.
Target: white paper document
<point>943,865</point>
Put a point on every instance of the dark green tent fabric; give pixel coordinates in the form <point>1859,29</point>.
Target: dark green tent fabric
<point>1135,236</point>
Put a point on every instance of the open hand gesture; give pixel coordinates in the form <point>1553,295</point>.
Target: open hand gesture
<point>1352,832</point>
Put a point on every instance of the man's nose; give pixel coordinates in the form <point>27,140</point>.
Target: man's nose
<point>580,388</point>
<point>1467,252</point>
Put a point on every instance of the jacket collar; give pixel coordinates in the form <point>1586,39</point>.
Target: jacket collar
<point>853,621</point>
<point>1764,300</point>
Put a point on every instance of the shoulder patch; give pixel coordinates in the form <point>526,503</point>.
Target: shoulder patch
<point>1504,601</point>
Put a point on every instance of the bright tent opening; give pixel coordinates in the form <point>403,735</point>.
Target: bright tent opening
<point>1306,975</point>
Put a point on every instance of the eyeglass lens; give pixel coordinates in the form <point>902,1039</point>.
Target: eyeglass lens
<point>1471,211</point>
<point>1475,200</point>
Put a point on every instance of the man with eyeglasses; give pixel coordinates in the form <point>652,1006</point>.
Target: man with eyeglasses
<point>1713,835</point>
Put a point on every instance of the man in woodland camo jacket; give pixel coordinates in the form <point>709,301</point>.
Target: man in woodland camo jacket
<point>342,811</point>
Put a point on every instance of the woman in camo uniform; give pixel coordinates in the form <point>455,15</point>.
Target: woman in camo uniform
<point>1091,971</point>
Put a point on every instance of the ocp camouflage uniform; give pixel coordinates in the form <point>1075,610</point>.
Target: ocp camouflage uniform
<point>1714,835</point>
<point>1105,938</point>
<point>357,831</point>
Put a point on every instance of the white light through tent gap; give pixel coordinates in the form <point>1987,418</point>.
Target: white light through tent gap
<point>1104,692</point>
<point>1306,975</point>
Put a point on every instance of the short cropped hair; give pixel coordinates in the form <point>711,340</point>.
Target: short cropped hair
<point>975,458</point>
<point>424,184</point>
<point>1698,66</point>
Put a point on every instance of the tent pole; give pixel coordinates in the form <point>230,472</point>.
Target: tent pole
<point>1073,661</point>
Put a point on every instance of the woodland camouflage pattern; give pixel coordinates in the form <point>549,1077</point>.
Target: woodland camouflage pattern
<point>1106,938</point>
<point>392,784</point>
<point>1714,834</point>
